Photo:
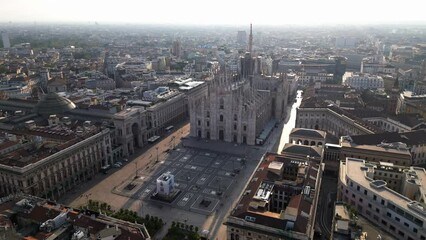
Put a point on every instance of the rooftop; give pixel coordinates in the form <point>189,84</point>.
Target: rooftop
<point>410,138</point>
<point>315,102</point>
<point>357,169</point>
<point>52,103</point>
<point>312,133</point>
<point>251,207</point>
<point>22,208</point>
<point>45,141</point>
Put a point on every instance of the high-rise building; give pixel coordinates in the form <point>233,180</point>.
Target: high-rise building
<point>6,40</point>
<point>177,48</point>
<point>242,37</point>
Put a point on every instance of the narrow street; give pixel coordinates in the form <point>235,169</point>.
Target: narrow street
<point>288,124</point>
<point>326,201</point>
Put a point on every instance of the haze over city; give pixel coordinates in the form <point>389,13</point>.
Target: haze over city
<point>212,120</point>
<point>220,12</point>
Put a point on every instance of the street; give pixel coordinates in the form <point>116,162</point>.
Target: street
<point>289,123</point>
<point>327,197</point>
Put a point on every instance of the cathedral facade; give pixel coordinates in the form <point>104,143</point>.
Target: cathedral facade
<point>237,110</point>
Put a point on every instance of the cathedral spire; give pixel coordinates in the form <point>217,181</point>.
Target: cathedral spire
<point>251,40</point>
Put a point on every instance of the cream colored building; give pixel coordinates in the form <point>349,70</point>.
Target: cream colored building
<point>314,113</point>
<point>135,125</point>
<point>395,153</point>
<point>51,168</point>
<point>309,137</point>
<point>390,196</point>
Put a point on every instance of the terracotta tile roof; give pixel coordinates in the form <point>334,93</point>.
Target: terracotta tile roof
<point>244,209</point>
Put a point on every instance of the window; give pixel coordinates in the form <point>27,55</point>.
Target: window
<point>199,122</point>
<point>244,127</point>
<point>383,202</point>
<point>208,123</point>
<point>388,214</point>
<point>406,224</point>
<point>221,104</point>
<point>235,126</point>
<point>357,188</point>
<point>401,233</point>
<point>392,228</point>
<point>235,117</point>
<point>384,222</point>
<point>414,230</point>
<point>397,219</point>
<point>369,205</point>
<point>208,114</point>
<point>365,192</point>
<point>221,118</point>
<point>374,197</point>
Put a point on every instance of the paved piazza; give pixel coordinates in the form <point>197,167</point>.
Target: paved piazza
<point>204,179</point>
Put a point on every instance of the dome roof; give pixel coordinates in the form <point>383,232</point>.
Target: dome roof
<point>52,103</point>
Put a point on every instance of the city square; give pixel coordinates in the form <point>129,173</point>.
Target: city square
<point>203,178</point>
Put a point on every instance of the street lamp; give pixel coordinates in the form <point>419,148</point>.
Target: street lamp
<point>157,153</point>
<point>136,169</point>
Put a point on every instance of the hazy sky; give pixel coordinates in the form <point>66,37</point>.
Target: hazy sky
<point>233,12</point>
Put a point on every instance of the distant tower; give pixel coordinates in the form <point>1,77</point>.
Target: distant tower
<point>242,37</point>
<point>177,48</point>
<point>5,38</point>
<point>251,40</point>
<point>247,62</point>
<point>44,78</point>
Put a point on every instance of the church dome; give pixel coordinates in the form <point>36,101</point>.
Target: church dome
<point>52,103</point>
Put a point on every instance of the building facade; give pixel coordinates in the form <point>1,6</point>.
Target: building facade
<point>237,110</point>
<point>316,114</point>
<point>363,81</point>
<point>51,172</point>
<point>390,196</point>
<point>395,153</point>
<point>135,125</point>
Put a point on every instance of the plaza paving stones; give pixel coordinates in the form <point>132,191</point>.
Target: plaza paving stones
<point>185,199</point>
<point>204,179</point>
<point>197,206</point>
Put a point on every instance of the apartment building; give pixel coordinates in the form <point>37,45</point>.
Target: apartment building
<point>390,196</point>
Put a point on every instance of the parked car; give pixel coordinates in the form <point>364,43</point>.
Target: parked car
<point>116,165</point>
<point>125,159</point>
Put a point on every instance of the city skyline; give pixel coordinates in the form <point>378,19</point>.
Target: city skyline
<point>221,12</point>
